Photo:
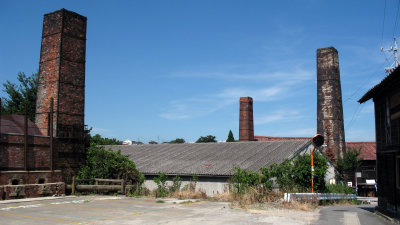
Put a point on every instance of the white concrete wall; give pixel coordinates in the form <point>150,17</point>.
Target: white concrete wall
<point>211,186</point>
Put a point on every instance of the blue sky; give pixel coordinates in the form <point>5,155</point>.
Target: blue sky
<point>160,70</point>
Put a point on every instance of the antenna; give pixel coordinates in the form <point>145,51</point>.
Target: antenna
<point>396,57</point>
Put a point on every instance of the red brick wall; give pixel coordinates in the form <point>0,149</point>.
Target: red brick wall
<point>30,177</point>
<point>12,152</point>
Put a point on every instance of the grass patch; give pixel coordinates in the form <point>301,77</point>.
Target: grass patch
<point>160,201</point>
<point>186,202</point>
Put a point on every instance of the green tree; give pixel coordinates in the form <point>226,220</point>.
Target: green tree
<point>178,141</point>
<point>107,164</point>
<point>296,174</point>
<point>348,164</point>
<point>284,175</point>
<point>302,171</point>
<point>206,139</point>
<point>99,140</point>
<point>230,137</point>
<point>20,94</point>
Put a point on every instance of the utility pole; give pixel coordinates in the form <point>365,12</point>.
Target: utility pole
<point>396,57</point>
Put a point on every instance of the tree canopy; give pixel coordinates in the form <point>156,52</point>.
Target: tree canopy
<point>106,164</point>
<point>178,141</point>
<point>99,140</point>
<point>20,94</point>
<point>206,139</point>
<point>348,164</point>
<point>230,137</point>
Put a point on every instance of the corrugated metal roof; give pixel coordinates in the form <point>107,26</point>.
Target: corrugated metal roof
<point>15,124</point>
<point>209,159</point>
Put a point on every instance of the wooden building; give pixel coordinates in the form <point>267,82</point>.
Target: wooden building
<point>386,97</point>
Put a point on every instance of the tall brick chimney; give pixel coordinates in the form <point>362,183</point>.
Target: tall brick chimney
<point>62,73</point>
<point>62,77</point>
<point>329,102</point>
<point>246,126</point>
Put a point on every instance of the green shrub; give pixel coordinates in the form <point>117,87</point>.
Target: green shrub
<point>106,164</point>
<point>339,188</point>
<point>291,175</point>
<point>176,184</point>
<point>161,182</point>
<point>348,164</point>
<point>242,180</point>
<point>302,171</point>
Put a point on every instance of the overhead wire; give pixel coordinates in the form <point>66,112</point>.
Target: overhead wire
<point>396,19</point>
<point>383,22</point>
<point>360,107</point>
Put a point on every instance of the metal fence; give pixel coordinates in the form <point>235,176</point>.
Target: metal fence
<point>317,196</point>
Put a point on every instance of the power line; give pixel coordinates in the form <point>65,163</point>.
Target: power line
<point>383,22</point>
<point>397,14</point>
<point>365,81</point>
<point>356,114</point>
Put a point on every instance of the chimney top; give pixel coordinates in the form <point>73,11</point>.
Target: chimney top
<point>246,99</point>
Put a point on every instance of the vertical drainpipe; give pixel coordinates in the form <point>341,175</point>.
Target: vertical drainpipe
<point>26,138</point>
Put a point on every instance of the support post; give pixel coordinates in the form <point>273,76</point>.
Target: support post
<point>123,187</point>
<point>312,170</point>
<point>26,139</point>
<point>73,185</point>
<point>51,134</point>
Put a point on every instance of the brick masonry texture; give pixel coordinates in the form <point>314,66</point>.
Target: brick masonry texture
<point>62,73</point>
<point>31,190</point>
<point>246,125</point>
<point>12,152</point>
<point>62,77</point>
<point>329,102</point>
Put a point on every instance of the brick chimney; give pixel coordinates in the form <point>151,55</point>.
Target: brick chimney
<point>246,126</point>
<point>329,102</point>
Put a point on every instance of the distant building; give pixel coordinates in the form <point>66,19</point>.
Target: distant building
<point>386,97</point>
<point>367,172</point>
<point>127,142</point>
<point>213,163</point>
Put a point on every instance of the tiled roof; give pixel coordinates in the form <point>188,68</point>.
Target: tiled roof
<point>15,124</point>
<point>388,80</point>
<point>209,159</point>
<point>368,149</point>
<point>270,138</point>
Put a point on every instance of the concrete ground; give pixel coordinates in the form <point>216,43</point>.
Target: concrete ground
<point>351,214</point>
<point>125,210</point>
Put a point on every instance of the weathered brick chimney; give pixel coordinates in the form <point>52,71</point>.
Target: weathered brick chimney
<point>62,73</point>
<point>329,102</point>
<point>246,125</point>
<point>62,77</point>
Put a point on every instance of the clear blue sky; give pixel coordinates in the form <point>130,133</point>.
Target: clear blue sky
<point>160,70</point>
